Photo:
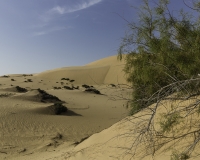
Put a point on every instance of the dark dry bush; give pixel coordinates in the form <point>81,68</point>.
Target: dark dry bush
<point>72,80</point>
<point>20,89</point>
<point>29,80</point>
<point>48,97</point>
<point>67,87</point>
<point>93,90</point>
<point>113,85</point>
<point>59,108</point>
<point>57,87</point>
<point>85,86</point>
<point>77,87</point>
<point>67,79</point>
<point>5,76</point>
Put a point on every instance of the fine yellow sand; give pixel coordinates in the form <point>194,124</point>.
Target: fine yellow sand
<point>30,130</point>
<point>96,126</point>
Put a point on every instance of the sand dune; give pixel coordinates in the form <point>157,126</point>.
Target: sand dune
<point>105,71</point>
<point>120,141</point>
<point>96,126</point>
<point>29,129</point>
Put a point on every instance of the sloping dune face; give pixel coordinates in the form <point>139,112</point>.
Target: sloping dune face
<point>128,139</point>
<point>105,71</point>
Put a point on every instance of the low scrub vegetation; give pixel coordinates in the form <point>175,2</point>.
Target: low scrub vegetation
<point>59,108</point>
<point>67,79</point>
<point>45,97</point>
<point>85,86</point>
<point>92,90</point>
<point>5,76</point>
<point>57,87</point>
<point>6,94</point>
<point>162,56</point>
<point>25,75</point>
<point>68,88</point>
<point>29,80</point>
<point>20,89</point>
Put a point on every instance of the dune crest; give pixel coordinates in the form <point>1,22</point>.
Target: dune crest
<point>105,71</point>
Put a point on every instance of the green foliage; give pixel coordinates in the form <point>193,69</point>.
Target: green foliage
<point>168,121</point>
<point>179,156</point>
<point>164,49</point>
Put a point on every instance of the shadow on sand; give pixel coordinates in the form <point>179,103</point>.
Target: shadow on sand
<point>48,111</point>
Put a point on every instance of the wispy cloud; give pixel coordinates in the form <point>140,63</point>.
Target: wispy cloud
<point>80,6</point>
<point>58,9</point>
<point>50,17</point>
<point>47,31</point>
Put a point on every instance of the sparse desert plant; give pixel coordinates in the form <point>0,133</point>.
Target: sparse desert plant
<point>29,80</point>
<point>57,87</point>
<point>6,94</point>
<point>113,85</point>
<point>179,156</point>
<point>168,121</point>
<point>59,108</point>
<point>20,89</point>
<point>85,86</point>
<point>72,80</point>
<point>45,97</point>
<point>92,90</point>
<point>12,79</point>
<point>67,87</point>
<point>27,75</point>
<point>5,76</point>
<point>67,79</point>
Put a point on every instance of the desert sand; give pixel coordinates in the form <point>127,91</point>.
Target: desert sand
<point>96,125</point>
<point>30,130</point>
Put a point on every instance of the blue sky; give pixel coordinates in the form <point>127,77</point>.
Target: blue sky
<point>39,35</point>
